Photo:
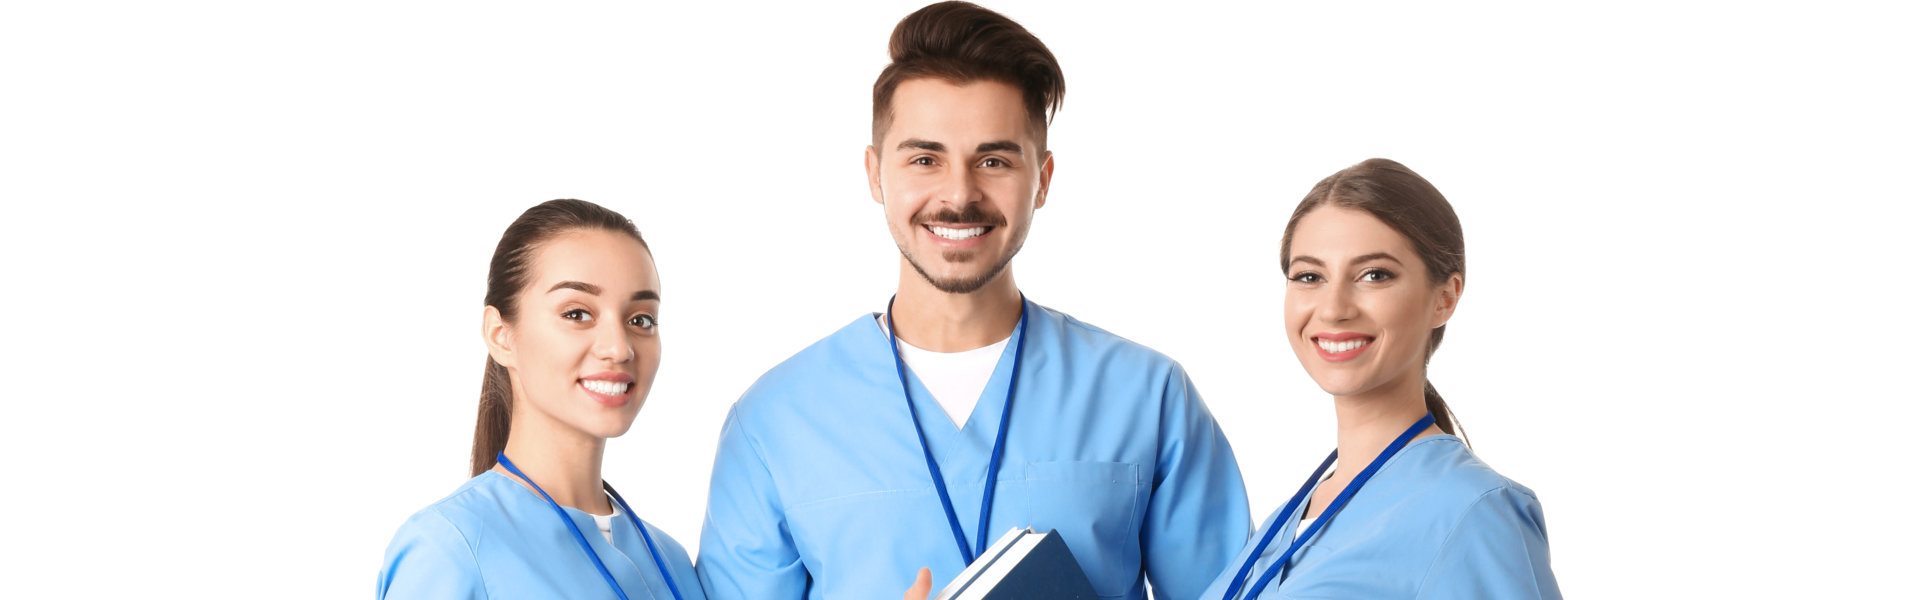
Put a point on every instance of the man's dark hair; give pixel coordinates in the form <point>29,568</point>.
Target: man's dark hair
<point>960,42</point>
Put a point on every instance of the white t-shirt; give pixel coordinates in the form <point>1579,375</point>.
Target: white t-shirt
<point>956,379</point>
<point>606,521</point>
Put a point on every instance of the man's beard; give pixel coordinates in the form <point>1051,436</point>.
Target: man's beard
<point>971,216</point>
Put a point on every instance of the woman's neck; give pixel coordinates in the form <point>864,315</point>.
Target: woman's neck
<point>567,467</point>
<point>1367,424</point>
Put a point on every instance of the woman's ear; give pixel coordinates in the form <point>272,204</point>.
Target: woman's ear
<point>499,337</point>
<point>1449,299</point>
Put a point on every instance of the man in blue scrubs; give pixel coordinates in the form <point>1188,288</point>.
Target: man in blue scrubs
<point>867,455</point>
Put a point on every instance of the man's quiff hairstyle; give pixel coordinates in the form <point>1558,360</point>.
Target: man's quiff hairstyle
<point>960,42</point>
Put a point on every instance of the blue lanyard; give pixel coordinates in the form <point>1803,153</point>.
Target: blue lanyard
<point>1338,503</point>
<point>582,538</point>
<point>999,441</point>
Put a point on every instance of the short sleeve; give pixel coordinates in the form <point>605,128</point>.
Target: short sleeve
<point>1497,551</point>
<point>745,550</point>
<point>1197,516</point>
<point>430,558</point>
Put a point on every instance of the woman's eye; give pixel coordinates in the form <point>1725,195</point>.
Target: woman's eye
<point>577,315</point>
<point>1308,277</point>
<point>1376,275</point>
<point>643,321</point>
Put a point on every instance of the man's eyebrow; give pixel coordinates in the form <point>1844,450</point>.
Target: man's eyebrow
<point>999,146</point>
<point>575,285</point>
<point>920,144</point>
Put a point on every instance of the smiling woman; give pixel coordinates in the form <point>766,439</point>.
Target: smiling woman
<point>1376,263</point>
<point>572,333</point>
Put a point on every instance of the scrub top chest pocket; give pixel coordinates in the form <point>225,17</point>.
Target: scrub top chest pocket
<point>1090,502</point>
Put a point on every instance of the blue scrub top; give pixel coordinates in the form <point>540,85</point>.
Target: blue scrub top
<point>820,489</point>
<point>1434,522</point>
<point>494,538</point>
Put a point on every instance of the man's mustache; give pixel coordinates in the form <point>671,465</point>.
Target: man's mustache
<point>972,215</point>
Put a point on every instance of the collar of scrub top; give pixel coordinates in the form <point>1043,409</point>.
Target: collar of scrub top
<point>1338,503</point>
<point>967,554</point>
<point>582,538</point>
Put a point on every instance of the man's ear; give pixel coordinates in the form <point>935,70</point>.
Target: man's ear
<point>873,175</point>
<point>499,337</point>
<point>1046,179</point>
<point>1449,299</point>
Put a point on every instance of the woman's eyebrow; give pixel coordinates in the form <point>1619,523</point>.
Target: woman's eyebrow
<point>1372,257</point>
<point>575,285</point>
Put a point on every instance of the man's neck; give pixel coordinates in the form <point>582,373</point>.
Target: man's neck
<point>939,321</point>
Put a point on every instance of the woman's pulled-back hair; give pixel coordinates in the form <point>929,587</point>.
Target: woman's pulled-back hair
<point>961,42</point>
<point>1410,205</point>
<point>510,272</point>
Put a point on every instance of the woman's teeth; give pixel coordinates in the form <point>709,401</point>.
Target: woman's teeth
<point>956,234</point>
<point>609,388</point>
<point>1338,347</point>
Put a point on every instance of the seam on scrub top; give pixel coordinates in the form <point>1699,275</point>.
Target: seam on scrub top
<point>760,456</point>
<point>811,503</point>
<point>467,543</point>
<point>1446,544</point>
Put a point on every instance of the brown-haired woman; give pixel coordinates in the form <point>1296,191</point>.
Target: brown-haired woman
<point>1376,263</point>
<point>571,327</point>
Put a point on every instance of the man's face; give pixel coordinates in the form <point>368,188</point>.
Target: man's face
<point>959,172</point>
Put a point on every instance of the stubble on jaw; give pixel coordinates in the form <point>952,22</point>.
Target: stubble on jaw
<point>965,285</point>
<point>973,215</point>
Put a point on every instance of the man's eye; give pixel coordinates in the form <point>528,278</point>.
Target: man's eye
<point>577,315</point>
<point>922,160</point>
<point>993,162</point>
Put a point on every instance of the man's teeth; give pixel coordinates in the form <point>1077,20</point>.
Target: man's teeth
<point>1338,347</point>
<point>957,234</point>
<point>606,387</point>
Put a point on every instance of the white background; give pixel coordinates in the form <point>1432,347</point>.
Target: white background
<point>244,247</point>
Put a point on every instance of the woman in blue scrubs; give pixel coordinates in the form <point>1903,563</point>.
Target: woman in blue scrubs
<point>572,333</point>
<point>1376,263</point>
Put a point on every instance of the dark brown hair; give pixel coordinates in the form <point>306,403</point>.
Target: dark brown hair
<point>510,272</point>
<point>1410,205</point>
<point>961,42</point>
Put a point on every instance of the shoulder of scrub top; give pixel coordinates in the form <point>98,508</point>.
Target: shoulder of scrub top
<point>1090,340</point>
<point>1452,480</point>
<point>1495,541</point>
<point>475,504</point>
<point>434,547</point>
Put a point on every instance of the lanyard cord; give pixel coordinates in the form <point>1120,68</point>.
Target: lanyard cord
<point>582,538</point>
<point>1326,515</point>
<point>999,441</point>
<point>635,518</point>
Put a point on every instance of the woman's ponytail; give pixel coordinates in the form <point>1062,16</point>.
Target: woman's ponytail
<point>496,418</point>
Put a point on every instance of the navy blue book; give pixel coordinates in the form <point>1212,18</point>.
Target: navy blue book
<point>1023,565</point>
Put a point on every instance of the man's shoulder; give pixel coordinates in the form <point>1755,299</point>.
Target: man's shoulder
<point>831,356</point>
<point>1077,337</point>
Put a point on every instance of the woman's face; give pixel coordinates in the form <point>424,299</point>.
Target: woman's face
<point>585,347</point>
<point>1360,307</point>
